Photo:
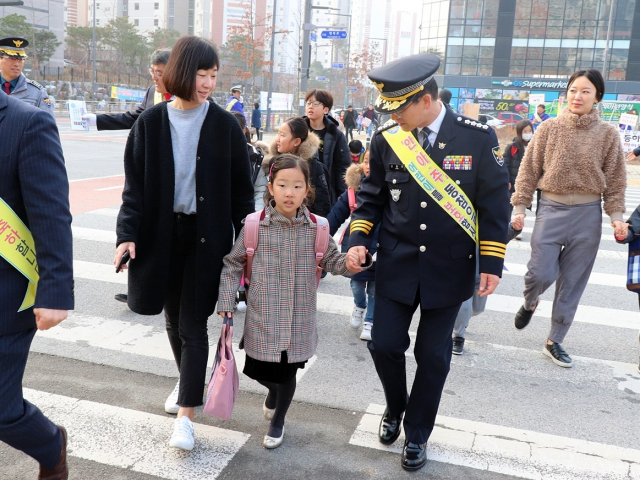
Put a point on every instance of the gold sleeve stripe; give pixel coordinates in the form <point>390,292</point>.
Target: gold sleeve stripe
<point>359,229</point>
<point>362,223</point>
<point>492,249</point>
<point>493,244</point>
<point>492,254</point>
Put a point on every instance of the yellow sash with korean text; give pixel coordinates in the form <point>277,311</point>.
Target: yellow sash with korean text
<point>433,180</point>
<point>17,248</point>
<point>231,104</point>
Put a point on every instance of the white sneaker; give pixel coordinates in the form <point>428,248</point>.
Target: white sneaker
<point>171,403</point>
<point>182,434</point>
<point>366,331</point>
<point>518,236</point>
<point>356,316</point>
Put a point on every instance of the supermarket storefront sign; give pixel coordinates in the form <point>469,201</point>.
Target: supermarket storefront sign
<point>536,84</point>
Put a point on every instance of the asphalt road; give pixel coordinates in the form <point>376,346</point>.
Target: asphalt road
<point>506,412</point>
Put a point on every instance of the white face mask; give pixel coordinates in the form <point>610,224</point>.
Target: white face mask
<point>527,136</point>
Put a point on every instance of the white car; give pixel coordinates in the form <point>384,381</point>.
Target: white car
<point>491,120</point>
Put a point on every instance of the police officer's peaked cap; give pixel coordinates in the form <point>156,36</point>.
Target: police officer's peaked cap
<point>13,46</point>
<point>236,88</point>
<point>401,80</point>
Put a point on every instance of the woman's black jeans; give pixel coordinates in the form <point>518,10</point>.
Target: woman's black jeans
<point>187,332</point>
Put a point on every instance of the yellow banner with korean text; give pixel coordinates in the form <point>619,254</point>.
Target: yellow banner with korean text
<point>433,180</point>
<point>17,248</point>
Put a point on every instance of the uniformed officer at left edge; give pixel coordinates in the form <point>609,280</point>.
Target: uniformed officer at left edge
<point>425,256</point>
<point>12,80</point>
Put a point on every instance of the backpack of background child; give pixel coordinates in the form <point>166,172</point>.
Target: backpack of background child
<point>256,155</point>
<point>351,195</point>
<point>633,269</point>
<point>251,235</point>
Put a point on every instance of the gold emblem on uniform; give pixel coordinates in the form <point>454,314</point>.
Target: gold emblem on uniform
<point>441,145</point>
<point>379,86</point>
<point>395,194</point>
<point>17,43</point>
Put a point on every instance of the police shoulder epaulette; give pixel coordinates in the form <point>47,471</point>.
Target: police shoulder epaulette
<point>35,84</point>
<point>386,126</point>
<point>475,124</point>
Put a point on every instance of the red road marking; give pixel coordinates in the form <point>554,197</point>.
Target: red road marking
<point>84,196</point>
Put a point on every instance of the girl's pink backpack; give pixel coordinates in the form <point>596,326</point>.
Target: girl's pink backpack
<point>251,235</point>
<point>224,383</point>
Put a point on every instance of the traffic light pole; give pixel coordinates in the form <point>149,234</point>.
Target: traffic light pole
<point>306,54</point>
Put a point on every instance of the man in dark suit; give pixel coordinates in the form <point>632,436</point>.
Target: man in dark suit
<point>155,94</point>
<point>437,186</point>
<point>34,185</point>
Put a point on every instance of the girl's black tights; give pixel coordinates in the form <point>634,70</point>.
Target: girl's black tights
<point>279,397</point>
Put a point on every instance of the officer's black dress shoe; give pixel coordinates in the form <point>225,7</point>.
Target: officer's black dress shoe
<point>390,427</point>
<point>121,297</point>
<point>414,455</point>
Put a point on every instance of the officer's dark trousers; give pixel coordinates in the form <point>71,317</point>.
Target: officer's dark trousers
<point>390,341</point>
<point>22,425</point>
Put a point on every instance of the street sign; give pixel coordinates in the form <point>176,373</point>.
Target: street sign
<point>337,65</point>
<point>334,34</point>
<point>353,89</point>
<point>314,37</point>
<point>321,79</point>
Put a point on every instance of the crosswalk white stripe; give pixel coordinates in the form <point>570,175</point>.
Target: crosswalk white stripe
<point>343,305</point>
<point>607,279</point>
<point>510,451</point>
<point>609,254</point>
<point>94,234</point>
<point>127,337</point>
<point>109,236</point>
<point>137,441</point>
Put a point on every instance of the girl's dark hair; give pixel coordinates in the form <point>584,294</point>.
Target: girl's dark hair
<point>299,128</point>
<point>243,124</point>
<point>283,162</point>
<point>520,126</point>
<point>593,75</point>
<point>188,55</point>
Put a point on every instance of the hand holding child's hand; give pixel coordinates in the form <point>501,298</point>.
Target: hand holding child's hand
<point>518,222</point>
<point>353,263</point>
<point>621,230</point>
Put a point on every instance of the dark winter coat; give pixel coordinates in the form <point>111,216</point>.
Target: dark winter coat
<point>225,197</point>
<point>350,119</point>
<point>335,156</point>
<point>512,157</point>
<point>341,212</point>
<point>317,171</point>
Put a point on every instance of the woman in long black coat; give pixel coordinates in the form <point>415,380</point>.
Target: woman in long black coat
<point>187,186</point>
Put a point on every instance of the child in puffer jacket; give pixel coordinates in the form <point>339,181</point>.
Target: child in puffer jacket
<point>363,284</point>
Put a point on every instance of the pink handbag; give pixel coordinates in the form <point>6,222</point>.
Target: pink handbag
<point>224,383</point>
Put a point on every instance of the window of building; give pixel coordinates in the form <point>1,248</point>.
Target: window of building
<point>97,21</point>
<point>155,22</point>
<point>97,6</point>
<point>125,7</point>
<point>136,22</point>
<point>136,6</point>
<point>156,6</point>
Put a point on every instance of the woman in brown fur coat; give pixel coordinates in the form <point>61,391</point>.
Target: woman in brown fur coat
<point>577,161</point>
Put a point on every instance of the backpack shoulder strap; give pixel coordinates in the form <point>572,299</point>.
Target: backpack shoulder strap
<point>351,193</point>
<point>251,229</point>
<point>322,242</point>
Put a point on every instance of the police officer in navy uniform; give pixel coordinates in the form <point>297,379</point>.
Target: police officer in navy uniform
<point>12,80</point>
<point>424,256</point>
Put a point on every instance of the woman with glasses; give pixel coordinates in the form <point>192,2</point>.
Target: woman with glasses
<point>183,197</point>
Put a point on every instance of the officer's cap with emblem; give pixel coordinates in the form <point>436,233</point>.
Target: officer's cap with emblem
<point>236,88</point>
<point>401,80</point>
<point>13,47</point>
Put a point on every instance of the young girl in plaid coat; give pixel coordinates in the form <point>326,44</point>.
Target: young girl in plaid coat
<point>280,332</point>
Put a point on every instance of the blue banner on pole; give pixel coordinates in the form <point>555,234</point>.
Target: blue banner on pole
<point>337,65</point>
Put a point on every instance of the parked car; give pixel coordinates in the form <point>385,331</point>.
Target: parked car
<point>490,120</point>
<point>509,118</point>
